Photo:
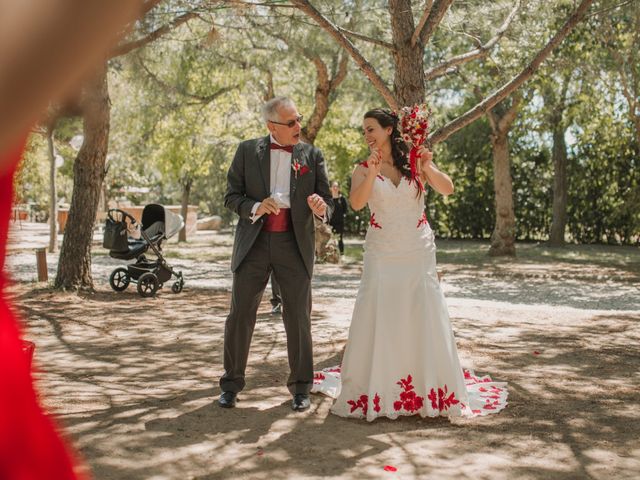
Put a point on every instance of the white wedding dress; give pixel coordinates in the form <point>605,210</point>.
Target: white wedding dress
<point>401,356</point>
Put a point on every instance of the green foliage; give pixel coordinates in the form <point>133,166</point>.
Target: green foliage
<point>469,212</point>
<point>604,195</point>
<point>178,115</point>
<point>181,105</point>
<point>532,174</point>
<point>32,185</point>
<point>32,178</point>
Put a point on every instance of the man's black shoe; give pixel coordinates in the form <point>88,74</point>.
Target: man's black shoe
<point>300,402</point>
<point>227,399</point>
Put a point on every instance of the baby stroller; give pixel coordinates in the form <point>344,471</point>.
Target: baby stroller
<point>158,224</point>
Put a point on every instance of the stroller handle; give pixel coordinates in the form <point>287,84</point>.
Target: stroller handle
<point>123,213</point>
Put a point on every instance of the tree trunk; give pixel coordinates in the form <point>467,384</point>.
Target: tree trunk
<point>325,92</point>
<point>321,109</point>
<point>560,187</point>
<point>504,234</point>
<point>408,81</point>
<point>74,267</point>
<point>556,100</point>
<point>184,210</point>
<point>503,238</point>
<point>53,194</point>
<point>104,196</point>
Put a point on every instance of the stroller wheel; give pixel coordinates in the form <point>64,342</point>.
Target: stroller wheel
<point>119,279</point>
<point>147,284</point>
<point>177,287</point>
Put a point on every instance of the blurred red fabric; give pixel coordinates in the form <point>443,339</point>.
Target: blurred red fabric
<point>30,446</point>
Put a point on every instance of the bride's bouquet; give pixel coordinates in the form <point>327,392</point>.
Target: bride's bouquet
<point>414,128</point>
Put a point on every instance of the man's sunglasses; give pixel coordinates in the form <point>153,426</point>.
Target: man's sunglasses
<point>290,123</point>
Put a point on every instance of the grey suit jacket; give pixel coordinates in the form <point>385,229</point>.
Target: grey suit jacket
<point>248,182</point>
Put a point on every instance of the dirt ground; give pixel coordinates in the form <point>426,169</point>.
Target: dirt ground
<point>134,381</point>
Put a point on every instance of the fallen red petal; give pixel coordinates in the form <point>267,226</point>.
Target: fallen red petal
<point>389,468</point>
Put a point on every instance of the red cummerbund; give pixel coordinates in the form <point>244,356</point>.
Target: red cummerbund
<point>278,223</point>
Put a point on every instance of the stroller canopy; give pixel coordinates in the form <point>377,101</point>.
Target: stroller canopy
<point>159,219</point>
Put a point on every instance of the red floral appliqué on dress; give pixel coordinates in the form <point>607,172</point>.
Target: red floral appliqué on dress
<point>409,400</point>
<point>442,401</point>
<point>372,221</point>
<point>363,403</point>
<point>423,220</point>
<point>376,403</point>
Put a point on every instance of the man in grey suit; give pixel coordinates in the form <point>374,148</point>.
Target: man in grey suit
<point>276,184</point>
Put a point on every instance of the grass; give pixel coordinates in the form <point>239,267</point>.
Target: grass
<point>352,251</point>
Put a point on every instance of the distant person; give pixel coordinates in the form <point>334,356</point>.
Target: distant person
<point>339,213</point>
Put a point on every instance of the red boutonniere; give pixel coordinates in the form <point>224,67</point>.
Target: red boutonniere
<point>298,168</point>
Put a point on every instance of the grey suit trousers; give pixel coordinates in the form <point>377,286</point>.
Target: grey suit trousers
<point>277,252</point>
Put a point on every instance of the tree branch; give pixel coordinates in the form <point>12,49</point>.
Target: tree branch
<point>423,20</point>
<point>341,73</point>
<point>201,99</point>
<point>481,51</point>
<point>325,90</point>
<point>375,41</point>
<point>363,64</point>
<point>271,92</point>
<point>626,90</point>
<point>321,69</point>
<point>435,17</point>
<point>510,115</point>
<point>135,44</point>
<point>481,108</point>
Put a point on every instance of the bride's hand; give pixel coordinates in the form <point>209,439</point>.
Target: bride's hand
<point>374,162</point>
<point>426,159</point>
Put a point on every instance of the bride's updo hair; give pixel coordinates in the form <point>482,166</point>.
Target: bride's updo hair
<point>399,149</point>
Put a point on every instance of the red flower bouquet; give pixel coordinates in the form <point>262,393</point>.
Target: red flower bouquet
<point>414,127</point>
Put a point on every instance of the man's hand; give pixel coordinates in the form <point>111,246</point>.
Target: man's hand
<point>317,205</point>
<point>268,206</point>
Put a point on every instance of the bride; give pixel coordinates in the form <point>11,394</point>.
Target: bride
<point>401,356</point>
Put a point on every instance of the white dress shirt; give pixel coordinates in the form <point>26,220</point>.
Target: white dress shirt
<point>280,178</point>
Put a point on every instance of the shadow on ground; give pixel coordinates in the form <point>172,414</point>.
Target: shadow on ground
<point>134,381</point>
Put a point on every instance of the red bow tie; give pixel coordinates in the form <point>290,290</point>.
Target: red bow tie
<point>286,148</point>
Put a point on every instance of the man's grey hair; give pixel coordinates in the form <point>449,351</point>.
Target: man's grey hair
<point>270,109</point>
